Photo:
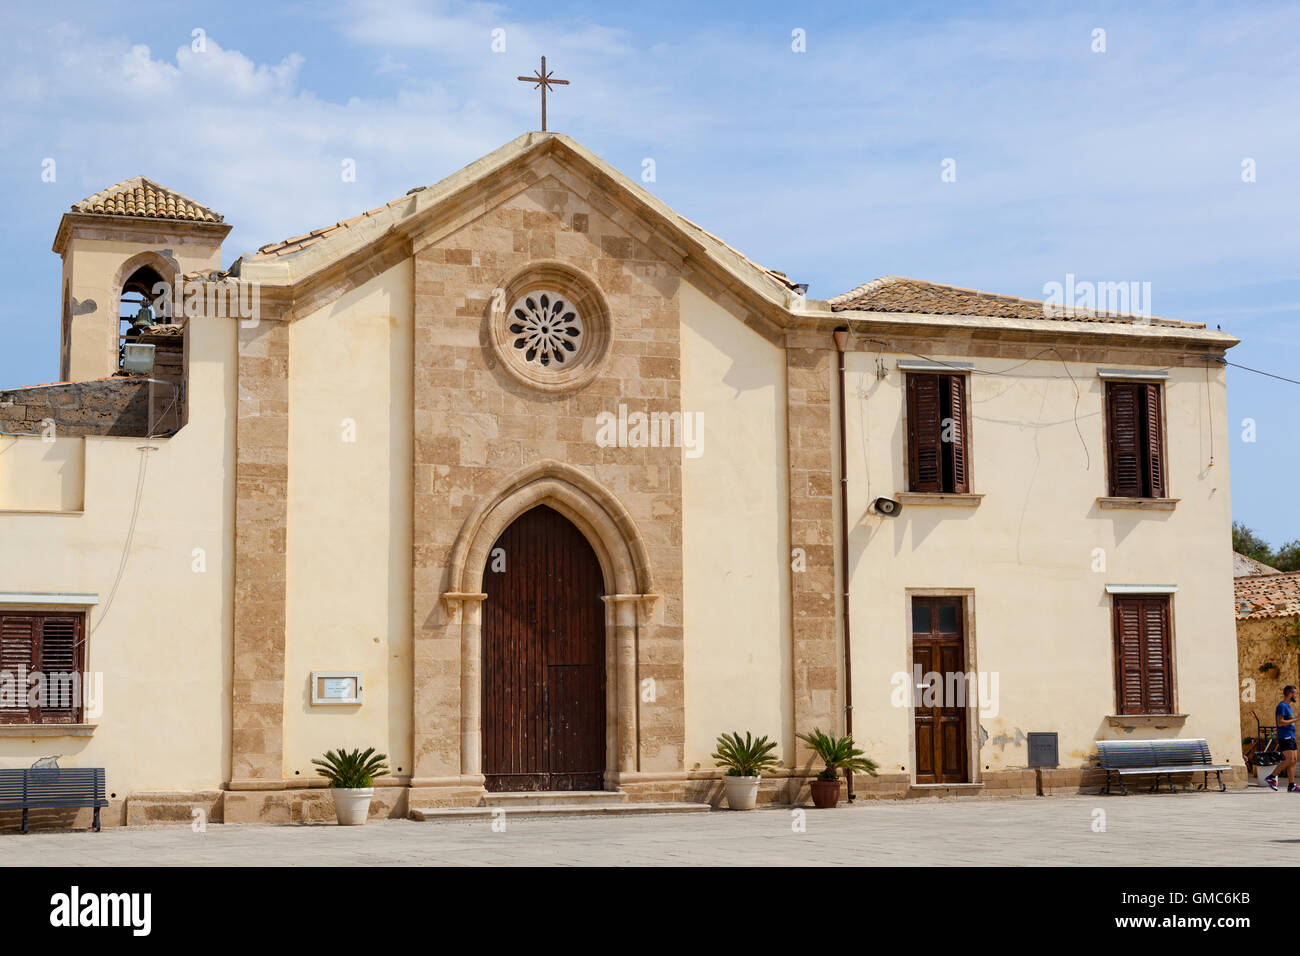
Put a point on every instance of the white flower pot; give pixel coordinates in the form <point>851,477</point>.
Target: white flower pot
<point>352,804</point>
<point>742,792</point>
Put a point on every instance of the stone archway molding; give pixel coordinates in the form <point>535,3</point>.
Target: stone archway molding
<point>575,494</point>
<point>624,561</point>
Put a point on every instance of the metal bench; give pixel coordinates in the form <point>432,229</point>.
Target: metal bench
<point>1161,758</point>
<point>52,789</point>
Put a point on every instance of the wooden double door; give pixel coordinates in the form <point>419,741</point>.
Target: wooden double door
<point>939,653</point>
<point>543,658</point>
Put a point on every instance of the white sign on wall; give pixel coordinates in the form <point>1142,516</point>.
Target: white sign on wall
<point>335,687</point>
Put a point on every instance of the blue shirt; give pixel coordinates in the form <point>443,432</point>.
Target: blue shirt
<point>1285,731</point>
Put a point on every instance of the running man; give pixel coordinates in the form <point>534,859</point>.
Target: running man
<point>1286,719</point>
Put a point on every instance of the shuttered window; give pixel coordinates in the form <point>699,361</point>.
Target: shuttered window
<point>1143,670</point>
<point>40,667</point>
<point>938,434</point>
<point>1135,440</point>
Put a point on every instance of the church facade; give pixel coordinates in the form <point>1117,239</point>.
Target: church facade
<point>533,484</point>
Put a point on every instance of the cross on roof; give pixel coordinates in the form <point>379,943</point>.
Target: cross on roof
<point>544,80</point>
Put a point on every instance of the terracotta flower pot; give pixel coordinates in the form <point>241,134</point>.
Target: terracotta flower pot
<point>825,793</point>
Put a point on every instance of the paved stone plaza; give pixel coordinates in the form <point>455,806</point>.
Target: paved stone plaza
<point>1207,829</point>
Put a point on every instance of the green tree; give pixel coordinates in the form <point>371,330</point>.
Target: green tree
<point>1245,541</point>
<point>1287,557</point>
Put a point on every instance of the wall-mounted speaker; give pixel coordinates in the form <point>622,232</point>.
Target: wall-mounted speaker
<point>887,507</point>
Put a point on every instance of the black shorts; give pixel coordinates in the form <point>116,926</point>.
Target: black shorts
<point>1286,744</point>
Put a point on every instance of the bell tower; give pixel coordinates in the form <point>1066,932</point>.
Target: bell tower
<point>120,247</point>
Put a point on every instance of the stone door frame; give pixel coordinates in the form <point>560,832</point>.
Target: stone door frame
<point>621,551</point>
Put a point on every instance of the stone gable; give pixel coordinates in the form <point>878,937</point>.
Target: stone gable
<point>477,425</point>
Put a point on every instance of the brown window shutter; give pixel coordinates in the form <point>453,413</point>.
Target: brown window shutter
<point>60,662</point>
<point>1155,476</point>
<point>924,431</point>
<point>52,645</point>
<point>1124,440</point>
<point>1143,672</point>
<point>957,411</point>
<point>1128,656</point>
<point>1155,656</point>
<point>17,660</point>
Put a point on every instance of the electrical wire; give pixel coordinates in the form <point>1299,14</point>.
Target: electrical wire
<point>130,536</point>
<point>1209,412</point>
<point>1280,378</point>
<point>1087,455</point>
<point>890,346</point>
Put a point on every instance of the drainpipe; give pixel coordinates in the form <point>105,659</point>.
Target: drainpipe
<point>841,346</point>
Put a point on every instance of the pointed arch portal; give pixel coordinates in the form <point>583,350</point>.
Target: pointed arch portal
<point>548,657</point>
<point>543,658</point>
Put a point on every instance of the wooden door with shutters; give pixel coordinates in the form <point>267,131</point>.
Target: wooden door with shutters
<point>939,648</point>
<point>543,658</point>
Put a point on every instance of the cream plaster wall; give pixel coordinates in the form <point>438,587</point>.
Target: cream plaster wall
<point>349,527</point>
<point>1042,615</point>
<point>37,475</point>
<point>163,641</point>
<point>735,531</point>
<point>90,268</point>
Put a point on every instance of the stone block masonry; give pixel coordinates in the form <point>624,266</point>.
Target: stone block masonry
<point>127,406</point>
<point>110,406</point>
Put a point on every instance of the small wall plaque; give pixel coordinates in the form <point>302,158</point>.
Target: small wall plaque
<point>335,687</point>
<point>1043,750</point>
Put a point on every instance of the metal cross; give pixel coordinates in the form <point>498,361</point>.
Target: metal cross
<point>544,80</point>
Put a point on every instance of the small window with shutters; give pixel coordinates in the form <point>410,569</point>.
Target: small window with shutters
<point>938,434</point>
<point>41,656</point>
<point>1143,655</point>
<point>1135,440</point>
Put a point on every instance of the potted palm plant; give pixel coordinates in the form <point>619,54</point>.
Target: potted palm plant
<point>745,759</point>
<point>352,778</point>
<point>838,753</point>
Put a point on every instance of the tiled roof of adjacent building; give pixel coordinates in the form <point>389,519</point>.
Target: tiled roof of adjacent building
<point>1268,595</point>
<point>901,294</point>
<point>144,198</point>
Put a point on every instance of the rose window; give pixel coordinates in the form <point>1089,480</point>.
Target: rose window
<point>545,329</point>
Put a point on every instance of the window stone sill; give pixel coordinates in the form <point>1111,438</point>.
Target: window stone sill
<point>939,498</point>
<point>1158,721</point>
<point>1138,504</point>
<point>47,730</point>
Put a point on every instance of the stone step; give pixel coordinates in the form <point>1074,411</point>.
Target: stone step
<point>555,798</point>
<point>555,810</point>
<point>921,790</point>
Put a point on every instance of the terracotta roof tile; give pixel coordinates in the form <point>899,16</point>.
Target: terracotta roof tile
<point>297,243</point>
<point>143,198</point>
<point>1268,595</point>
<point>901,294</point>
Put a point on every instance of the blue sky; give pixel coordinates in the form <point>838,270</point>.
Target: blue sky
<point>1123,165</point>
